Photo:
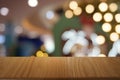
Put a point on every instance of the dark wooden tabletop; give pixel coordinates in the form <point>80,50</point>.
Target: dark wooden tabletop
<point>59,68</point>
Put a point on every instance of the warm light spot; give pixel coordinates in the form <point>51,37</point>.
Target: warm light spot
<point>117,28</point>
<point>103,7</point>
<point>108,17</point>
<point>77,11</point>
<point>101,55</point>
<point>106,27</point>
<point>73,5</point>
<point>114,36</point>
<point>100,39</point>
<point>90,8</point>
<point>69,14</point>
<point>45,55</point>
<point>39,54</point>
<point>113,7</point>
<point>4,11</point>
<point>32,3</point>
<point>97,17</point>
<point>117,17</point>
<point>50,15</point>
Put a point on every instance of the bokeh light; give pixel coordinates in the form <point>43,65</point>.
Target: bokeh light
<point>114,36</point>
<point>101,55</point>
<point>73,5</point>
<point>117,28</point>
<point>39,54</point>
<point>4,11</point>
<point>100,39</point>
<point>106,27</point>
<point>103,7</point>
<point>50,14</point>
<point>45,55</point>
<point>117,17</point>
<point>32,3</point>
<point>97,17</point>
<point>2,27</point>
<point>18,30</point>
<point>2,39</point>
<point>48,43</point>
<point>77,11</point>
<point>108,17</point>
<point>68,14</point>
<point>89,8</point>
<point>113,7</point>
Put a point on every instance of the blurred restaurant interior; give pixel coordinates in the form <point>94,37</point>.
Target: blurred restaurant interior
<point>60,28</point>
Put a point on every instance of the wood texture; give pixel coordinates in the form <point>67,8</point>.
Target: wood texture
<point>59,67</point>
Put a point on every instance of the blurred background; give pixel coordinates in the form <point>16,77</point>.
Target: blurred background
<point>77,28</point>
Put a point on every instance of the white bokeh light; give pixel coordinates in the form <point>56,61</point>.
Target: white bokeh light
<point>117,17</point>
<point>117,28</point>
<point>2,27</point>
<point>77,11</point>
<point>106,27</point>
<point>2,39</point>
<point>97,17</point>
<point>18,30</point>
<point>68,14</point>
<point>50,14</point>
<point>89,8</point>
<point>73,5</point>
<point>4,11</point>
<point>113,7</point>
<point>108,17</point>
<point>100,39</point>
<point>48,43</point>
<point>114,36</point>
<point>32,3</point>
<point>103,7</point>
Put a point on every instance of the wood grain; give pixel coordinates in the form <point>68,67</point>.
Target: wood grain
<point>59,67</point>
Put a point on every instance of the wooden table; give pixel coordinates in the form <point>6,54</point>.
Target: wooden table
<point>59,68</point>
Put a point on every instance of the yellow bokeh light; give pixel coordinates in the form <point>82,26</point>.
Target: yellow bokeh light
<point>113,7</point>
<point>97,17</point>
<point>100,39</point>
<point>114,36</point>
<point>77,11</point>
<point>39,54</point>
<point>108,17</point>
<point>68,14</point>
<point>117,28</point>
<point>73,5</point>
<point>117,17</point>
<point>106,27</point>
<point>45,55</point>
<point>89,8</point>
<point>103,7</point>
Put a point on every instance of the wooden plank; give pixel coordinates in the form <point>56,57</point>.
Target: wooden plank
<point>59,67</point>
